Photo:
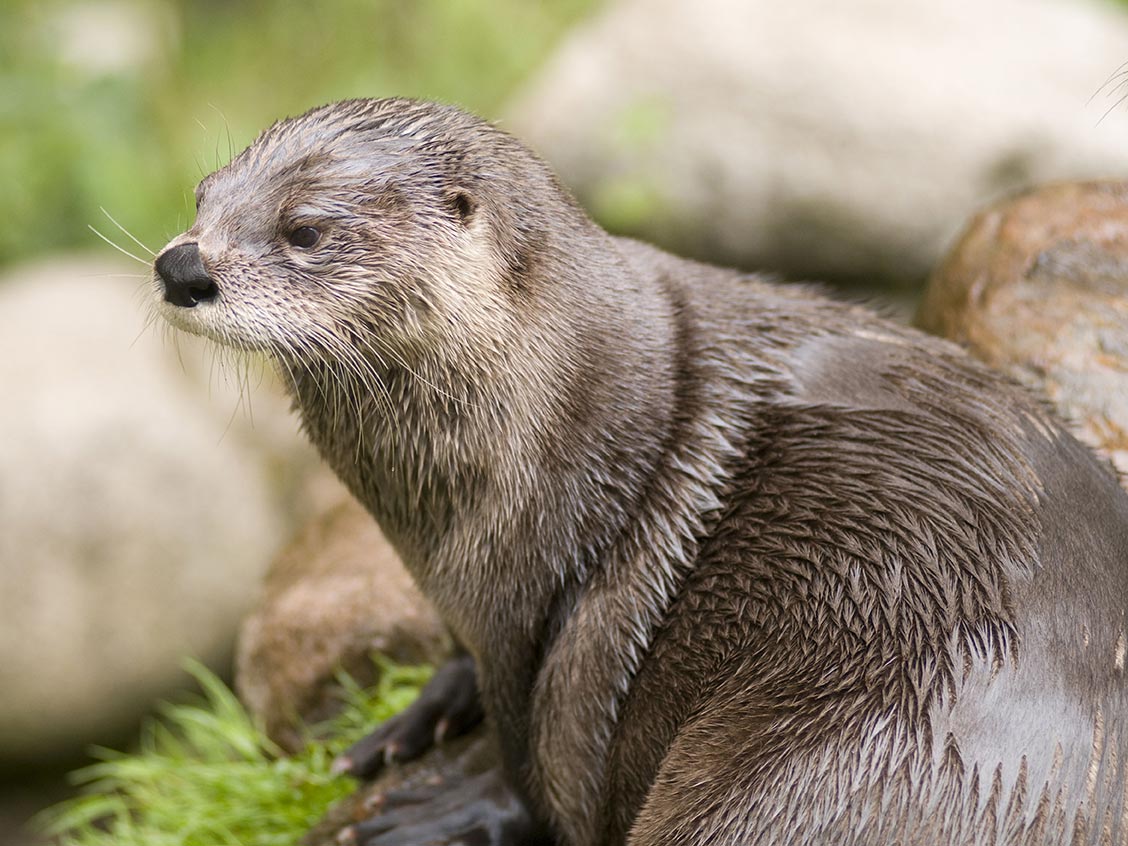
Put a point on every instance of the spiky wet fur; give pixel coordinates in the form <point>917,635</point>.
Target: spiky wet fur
<point>737,564</point>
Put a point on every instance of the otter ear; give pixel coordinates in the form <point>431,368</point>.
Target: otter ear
<point>463,205</point>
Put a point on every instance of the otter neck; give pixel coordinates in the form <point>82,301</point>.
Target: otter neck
<point>502,477</point>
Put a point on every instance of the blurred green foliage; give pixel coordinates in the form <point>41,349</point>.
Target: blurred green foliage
<point>205,775</point>
<point>125,104</point>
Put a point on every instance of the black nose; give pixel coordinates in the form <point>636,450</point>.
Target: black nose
<point>186,282</point>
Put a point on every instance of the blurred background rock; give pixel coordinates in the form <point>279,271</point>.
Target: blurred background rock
<point>838,141</point>
<point>140,502</point>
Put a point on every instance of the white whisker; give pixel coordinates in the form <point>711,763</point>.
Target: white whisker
<point>117,247</point>
<point>126,232</point>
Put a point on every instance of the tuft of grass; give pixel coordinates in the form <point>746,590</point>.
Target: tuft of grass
<point>205,775</point>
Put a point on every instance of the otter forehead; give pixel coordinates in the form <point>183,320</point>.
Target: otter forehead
<point>336,162</point>
<point>341,153</point>
<point>289,184</point>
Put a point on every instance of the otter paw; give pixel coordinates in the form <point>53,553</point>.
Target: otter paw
<point>446,707</point>
<point>480,810</point>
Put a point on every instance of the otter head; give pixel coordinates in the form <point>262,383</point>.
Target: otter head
<point>361,228</point>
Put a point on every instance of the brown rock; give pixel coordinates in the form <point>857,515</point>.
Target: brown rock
<point>1038,288</point>
<point>334,596</point>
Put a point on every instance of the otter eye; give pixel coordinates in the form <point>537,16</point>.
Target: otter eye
<point>304,237</point>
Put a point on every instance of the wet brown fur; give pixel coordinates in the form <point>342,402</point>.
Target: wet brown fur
<point>738,564</point>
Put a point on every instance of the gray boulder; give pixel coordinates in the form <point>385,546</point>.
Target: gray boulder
<point>827,140</point>
<point>137,509</point>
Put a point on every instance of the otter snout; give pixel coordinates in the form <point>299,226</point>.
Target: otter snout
<point>186,280</point>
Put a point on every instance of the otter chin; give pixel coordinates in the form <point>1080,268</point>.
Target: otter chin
<point>727,562</point>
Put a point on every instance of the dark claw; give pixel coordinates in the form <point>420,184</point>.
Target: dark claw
<point>446,707</point>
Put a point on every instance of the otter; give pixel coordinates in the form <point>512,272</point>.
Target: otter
<point>729,562</point>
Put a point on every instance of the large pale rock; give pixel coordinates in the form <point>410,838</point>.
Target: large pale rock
<point>333,598</point>
<point>136,517</point>
<point>824,139</point>
<point>1038,287</point>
